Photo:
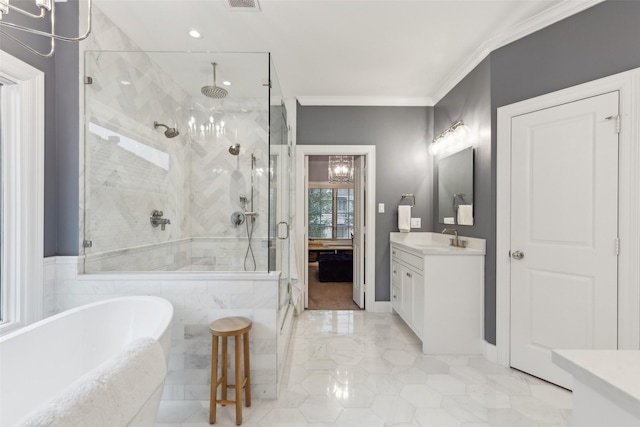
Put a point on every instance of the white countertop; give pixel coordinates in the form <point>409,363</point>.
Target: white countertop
<point>613,373</point>
<point>428,243</point>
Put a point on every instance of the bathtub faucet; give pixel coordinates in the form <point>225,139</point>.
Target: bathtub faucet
<point>157,220</point>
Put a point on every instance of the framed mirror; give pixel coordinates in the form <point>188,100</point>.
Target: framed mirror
<point>455,188</point>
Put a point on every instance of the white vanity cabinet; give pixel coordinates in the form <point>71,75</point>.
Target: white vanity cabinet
<point>408,287</point>
<point>438,291</point>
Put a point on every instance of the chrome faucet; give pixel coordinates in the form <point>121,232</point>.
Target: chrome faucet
<point>157,220</point>
<point>454,241</point>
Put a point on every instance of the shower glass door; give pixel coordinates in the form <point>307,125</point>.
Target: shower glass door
<point>280,171</point>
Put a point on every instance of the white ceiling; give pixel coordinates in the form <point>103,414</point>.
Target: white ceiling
<point>341,52</point>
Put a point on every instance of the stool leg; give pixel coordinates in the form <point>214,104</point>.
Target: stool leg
<point>247,370</point>
<point>213,403</point>
<point>238,382</point>
<point>224,370</point>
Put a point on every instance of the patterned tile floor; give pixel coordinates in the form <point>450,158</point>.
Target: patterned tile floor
<point>352,368</point>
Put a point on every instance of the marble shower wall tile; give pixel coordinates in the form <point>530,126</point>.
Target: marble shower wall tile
<point>130,168</point>
<point>218,179</point>
<point>195,254</point>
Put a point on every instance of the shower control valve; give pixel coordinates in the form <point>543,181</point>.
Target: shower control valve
<point>157,220</point>
<point>237,218</point>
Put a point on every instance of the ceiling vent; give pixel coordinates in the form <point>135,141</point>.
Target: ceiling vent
<point>244,5</point>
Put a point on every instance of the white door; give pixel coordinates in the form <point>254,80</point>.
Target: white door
<point>305,232</point>
<point>564,225</point>
<point>358,231</point>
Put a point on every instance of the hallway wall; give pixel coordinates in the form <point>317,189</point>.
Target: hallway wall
<point>401,136</point>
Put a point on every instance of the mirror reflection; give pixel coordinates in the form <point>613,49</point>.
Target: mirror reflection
<point>455,188</point>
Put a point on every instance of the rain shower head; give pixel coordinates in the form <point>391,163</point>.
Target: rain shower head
<point>214,91</point>
<point>170,132</point>
<point>235,149</point>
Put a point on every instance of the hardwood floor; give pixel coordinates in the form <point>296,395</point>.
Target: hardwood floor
<point>329,295</point>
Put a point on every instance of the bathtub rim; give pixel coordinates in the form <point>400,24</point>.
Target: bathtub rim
<point>164,302</point>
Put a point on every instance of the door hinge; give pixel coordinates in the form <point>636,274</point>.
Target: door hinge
<point>266,83</point>
<point>618,119</point>
<point>88,80</point>
<point>617,246</point>
<point>87,243</point>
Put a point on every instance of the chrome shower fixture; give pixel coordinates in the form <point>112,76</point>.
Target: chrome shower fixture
<point>170,132</point>
<point>235,149</point>
<point>214,91</point>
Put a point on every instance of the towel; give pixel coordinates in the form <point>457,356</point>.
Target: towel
<point>404,218</point>
<point>449,220</point>
<point>465,214</point>
<point>112,394</point>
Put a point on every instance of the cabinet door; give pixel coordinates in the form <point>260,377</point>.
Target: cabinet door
<point>396,298</point>
<point>407,293</point>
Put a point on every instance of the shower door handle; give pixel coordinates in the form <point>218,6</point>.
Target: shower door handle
<point>286,229</point>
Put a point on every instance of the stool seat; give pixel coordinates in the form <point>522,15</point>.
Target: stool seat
<point>230,326</point>
<point>237,327</point>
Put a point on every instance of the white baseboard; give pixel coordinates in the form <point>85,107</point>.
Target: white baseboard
<point>490,352</point>
<point>379,307</point>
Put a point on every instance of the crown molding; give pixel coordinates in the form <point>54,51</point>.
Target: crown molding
<point>371,101</point>
<point>529,26</point>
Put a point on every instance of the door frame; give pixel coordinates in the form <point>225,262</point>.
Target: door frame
<point>301,221</point>
<point>628,84</point>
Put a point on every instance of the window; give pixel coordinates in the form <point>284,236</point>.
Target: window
<point>22,192</point>
<point>330,213</point>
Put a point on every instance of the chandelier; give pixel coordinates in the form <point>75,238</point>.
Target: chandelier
<point>46,9</point>
<point>340,169</point>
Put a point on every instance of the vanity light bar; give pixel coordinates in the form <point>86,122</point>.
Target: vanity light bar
<point>449,130</point>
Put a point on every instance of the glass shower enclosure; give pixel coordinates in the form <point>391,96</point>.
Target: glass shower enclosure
<point>187,164</point>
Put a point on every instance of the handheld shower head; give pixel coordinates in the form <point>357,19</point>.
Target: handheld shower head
<point>214,91</point>
<point>170,132</point>
<point>235,149</point>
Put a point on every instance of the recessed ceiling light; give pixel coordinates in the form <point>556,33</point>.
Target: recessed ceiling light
<point>195,34</point>
<point>125,82</point>
<point>226,83</point>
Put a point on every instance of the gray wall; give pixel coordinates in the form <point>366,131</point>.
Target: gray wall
<point>403,165</point>
<point>470,101</point>
<point>61,124</point>
<point>598,42</point>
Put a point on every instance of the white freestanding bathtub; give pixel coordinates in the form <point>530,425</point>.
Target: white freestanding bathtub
<point>40,360</point>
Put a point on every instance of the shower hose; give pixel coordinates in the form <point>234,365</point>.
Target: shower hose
<point>249,248</point>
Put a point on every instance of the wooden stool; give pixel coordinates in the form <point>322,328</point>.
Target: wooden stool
<point>230,327</point>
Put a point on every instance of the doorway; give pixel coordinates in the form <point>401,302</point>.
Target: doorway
<point>561,293</point>
<point>333,208</point>
<point>354,245</point>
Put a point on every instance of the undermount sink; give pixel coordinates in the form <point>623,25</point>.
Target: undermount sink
<point>426,242</point>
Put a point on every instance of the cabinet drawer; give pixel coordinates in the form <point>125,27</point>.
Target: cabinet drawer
<point>413,260</point>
